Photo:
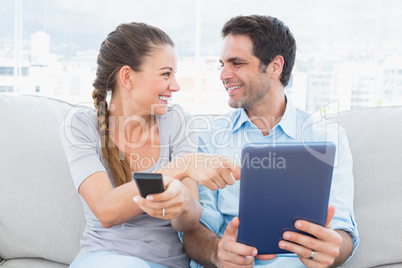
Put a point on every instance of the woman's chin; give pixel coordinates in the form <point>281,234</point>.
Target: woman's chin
<point>160,110</point>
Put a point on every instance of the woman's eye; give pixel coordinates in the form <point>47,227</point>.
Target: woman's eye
<point>166,74</point>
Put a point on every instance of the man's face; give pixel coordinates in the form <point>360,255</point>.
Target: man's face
<point>245,82</point>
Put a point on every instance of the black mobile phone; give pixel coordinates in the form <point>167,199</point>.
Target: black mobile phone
<point>149,183</point>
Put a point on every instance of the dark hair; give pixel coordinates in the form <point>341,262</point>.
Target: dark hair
<point>270,38</point>
<point>128,45</point>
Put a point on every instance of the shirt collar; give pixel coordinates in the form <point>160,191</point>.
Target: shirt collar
<point>287,123</point>
<point>239,118</point>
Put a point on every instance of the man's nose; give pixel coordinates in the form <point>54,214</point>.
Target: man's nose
<point>226,73</point>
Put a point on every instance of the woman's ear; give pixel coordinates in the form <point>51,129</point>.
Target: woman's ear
<point>125,77</point>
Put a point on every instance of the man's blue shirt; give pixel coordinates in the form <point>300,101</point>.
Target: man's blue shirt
<point>226,135</point>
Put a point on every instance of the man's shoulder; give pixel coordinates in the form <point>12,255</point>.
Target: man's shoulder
<point>318,125</point>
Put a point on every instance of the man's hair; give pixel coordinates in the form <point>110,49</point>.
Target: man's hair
<point>270,38</point>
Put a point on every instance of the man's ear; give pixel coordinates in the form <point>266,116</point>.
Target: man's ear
<point>125,77</point>
<point>276,66</point>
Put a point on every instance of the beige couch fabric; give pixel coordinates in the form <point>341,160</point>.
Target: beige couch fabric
<point>375,139</point>
<point>40,212</point>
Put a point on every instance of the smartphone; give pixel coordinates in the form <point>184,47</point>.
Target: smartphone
<point>149,183</point>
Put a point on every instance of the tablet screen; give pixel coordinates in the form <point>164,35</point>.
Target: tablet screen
<point>279,185</point>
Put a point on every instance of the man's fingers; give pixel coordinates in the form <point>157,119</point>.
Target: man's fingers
<point>239,249</point>
<point>235,257</point>
<point>232,228</point>
<point>304,240</point>
<point>314,229</point>
<point>266,257</point>
<point>330,215</point>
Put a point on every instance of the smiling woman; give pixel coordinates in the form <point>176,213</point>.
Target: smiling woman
<point>153,86</point>
<point>135,63</point>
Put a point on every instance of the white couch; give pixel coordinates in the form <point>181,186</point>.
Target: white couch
<point>41,219</point>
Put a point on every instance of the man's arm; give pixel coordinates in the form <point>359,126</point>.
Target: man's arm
<point>201,245</point>
<point>346,248</point>
<point>206,248</point>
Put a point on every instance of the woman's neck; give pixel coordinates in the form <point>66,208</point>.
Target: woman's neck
<point>125,121</point>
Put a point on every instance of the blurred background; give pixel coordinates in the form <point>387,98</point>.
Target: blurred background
<point>349,52</point>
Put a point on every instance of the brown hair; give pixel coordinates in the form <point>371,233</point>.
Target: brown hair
<point>270,37</point>
<point>128,45</point>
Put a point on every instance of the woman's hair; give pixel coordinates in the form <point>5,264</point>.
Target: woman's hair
<point>128,45</point>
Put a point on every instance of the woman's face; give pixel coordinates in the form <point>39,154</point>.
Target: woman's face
<point>156,82</point>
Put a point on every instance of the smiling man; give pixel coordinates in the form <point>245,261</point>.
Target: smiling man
<point>257,59</point>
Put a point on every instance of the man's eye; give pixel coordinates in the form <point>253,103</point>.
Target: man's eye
<point>237,63</point>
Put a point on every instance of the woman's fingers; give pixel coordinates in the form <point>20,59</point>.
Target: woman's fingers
<point>166,205</point>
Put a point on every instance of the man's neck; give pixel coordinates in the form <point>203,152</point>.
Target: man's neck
<point>267,113</point>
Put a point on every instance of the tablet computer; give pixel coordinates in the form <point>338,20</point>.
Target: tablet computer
<point>280,184</point>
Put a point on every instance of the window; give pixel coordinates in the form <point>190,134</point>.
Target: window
<point>348,51</point>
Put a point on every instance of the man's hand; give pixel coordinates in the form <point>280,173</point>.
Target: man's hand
<point>230,253</point>
<point>326,245</point>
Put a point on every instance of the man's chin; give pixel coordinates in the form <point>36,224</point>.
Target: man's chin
<point>235,103</point>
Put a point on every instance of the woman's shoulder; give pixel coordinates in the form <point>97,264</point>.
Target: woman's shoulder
<point>176,115</point>
<point>81,120</point>
<point>177,109</point>
<point>80,128</point>
<point>176,121</point>
<point>84,117</point>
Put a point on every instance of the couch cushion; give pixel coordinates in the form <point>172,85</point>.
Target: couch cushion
<point>32,263</point>
<point>40,212</point>
<point>375,138</point>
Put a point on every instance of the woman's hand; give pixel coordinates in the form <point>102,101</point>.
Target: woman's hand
<point>211,170</point>
<point>169,204</point>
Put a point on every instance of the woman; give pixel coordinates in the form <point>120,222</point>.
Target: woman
<point>139,132</point>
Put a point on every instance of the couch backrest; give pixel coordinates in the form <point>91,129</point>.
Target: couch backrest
<point>375,138</point>
<point>41,215</point>
<point>40,211</point>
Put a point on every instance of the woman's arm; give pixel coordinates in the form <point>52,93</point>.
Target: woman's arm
<point>211,170</point>
<point>190,217</point>
<point>112,206</point>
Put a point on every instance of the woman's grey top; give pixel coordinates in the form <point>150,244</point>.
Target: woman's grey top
<point>145,237</point>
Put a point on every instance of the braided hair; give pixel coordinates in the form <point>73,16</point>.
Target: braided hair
<point>128,45</point>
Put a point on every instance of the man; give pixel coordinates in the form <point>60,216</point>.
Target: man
<point>257,59</point>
